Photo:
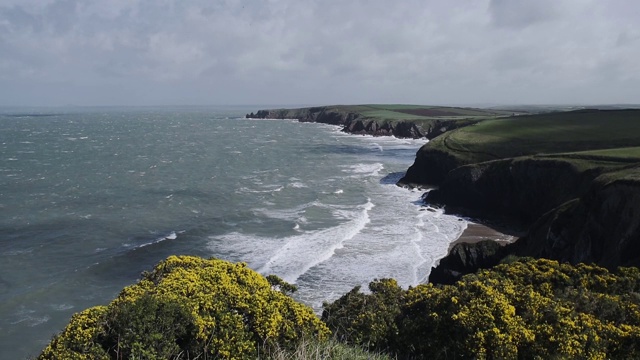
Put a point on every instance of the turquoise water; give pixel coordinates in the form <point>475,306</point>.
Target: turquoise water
<point>90,198</point>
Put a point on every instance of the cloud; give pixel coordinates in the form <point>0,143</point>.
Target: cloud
<point>312,51</point>
<point>522,13</point>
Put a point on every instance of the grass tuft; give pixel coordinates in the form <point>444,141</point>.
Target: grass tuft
<point>313,349</point>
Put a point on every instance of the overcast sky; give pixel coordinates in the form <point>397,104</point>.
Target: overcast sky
<point>215,52</point>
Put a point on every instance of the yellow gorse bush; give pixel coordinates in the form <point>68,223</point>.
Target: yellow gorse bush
<point>529,309</point>
<point>189,307</point>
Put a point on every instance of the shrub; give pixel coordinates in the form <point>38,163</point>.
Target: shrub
<point>527,309</point>
<point>189,307</point>
<point>367,320</point>
<point>150,327</point>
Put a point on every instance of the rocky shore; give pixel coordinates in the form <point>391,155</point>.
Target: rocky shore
<point>478,247</point>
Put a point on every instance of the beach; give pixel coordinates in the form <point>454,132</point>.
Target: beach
<point>476,232</point>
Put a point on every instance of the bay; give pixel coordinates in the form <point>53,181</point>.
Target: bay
<point>91,197</point>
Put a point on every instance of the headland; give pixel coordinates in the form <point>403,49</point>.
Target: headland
<point>564,182</point>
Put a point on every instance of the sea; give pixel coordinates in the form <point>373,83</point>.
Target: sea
<point>92,197</point>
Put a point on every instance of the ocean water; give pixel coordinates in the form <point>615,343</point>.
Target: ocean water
<point>91,197</point>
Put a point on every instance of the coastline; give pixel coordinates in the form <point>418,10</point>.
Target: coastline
<point>409,121</point>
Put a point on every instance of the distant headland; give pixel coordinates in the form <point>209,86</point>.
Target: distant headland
<point>403,121</point>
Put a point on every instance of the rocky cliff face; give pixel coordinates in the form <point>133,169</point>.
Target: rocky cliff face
<point>515,192</point>
<point>601,227</point>
<point>402,129</point>
<point>466,258</point>
<point>354,123</point>
<point>567,213</point>
<point>430,167</point>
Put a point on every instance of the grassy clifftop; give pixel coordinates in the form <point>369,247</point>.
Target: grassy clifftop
<point>586,138</point>
<point>610,134</point>
<point>413,121</point>
<point>390,112</point>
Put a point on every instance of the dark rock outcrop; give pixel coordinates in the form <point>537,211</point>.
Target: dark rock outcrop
<point>430,167</point>
<point>514,192</point>
<point>467,258</point>
<point>567,213</point>
<point>601,227</point>
<point>402,129</point>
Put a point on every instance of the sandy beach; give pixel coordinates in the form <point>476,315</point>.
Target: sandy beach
<point>476,232</point>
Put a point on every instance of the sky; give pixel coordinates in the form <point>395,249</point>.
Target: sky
<point>314,52</point>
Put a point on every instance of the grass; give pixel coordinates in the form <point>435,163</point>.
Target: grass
<point>609,136</point>
<point>416,113</point>
<point>420,112</point>
<point>328,350</point>
<point>624,153</point>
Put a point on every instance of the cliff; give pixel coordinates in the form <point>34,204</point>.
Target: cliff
<point>514,192</point>
<point>378,120</point>
<point>582,205</point>
<point>602,226</point>
<point>430,167</point>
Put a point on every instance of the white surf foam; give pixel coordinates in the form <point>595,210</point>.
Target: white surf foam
<point>401,241</point>
<point>364,170</point>
<point>292,214</point>
<point>265,190</point>
<point>292,256</point>
<point>61,307</point>
<point>170,236</point>
<point>396,238</point>
<point>29,317</point>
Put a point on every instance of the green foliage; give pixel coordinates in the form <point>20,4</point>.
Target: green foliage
<point>526,309</point>
<point>281,285</point>
<point>186,308</point>
<point>151,327</point>
<point>367,320</point>
<point>79,340</point>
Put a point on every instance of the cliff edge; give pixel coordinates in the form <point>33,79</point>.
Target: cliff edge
<point>403,121</point>
<point>569,181</point>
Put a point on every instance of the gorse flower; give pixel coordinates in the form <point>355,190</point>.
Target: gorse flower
<point>189,307</point>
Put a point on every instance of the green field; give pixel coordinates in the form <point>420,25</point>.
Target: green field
<point>589,135</point>
<point>418,112</point>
